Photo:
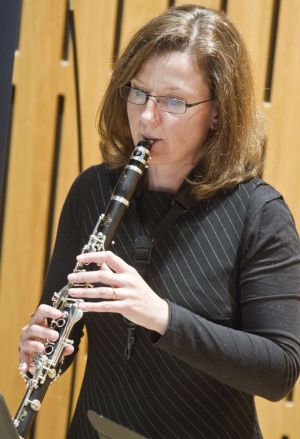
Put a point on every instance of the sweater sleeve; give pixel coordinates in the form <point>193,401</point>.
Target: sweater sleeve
<point>262,357</point>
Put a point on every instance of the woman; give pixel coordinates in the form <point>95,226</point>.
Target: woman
<point>214,318</point>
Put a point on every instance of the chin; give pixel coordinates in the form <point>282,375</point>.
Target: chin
<point>156,156</point>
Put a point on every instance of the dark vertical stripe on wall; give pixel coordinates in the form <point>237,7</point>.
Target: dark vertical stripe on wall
<point>5,164</point>
<point>66,37</point>
<point>171,3</point>
<point>118,31</point>
<point>77,86</point>
<point>272,50</point>
<point>9,24</point>
<point>224,5</point>
<point>19,25</point>
<point>54,174</point>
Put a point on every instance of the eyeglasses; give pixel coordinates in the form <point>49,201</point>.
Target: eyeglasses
<point>164,103</point>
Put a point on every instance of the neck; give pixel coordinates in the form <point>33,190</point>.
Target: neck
<point>166,178</point>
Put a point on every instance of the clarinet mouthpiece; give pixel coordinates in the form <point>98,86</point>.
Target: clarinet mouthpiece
<point>146,143</point>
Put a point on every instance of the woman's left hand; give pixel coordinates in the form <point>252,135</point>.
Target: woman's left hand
<point>127,293</point>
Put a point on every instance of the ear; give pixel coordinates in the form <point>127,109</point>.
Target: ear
<point>214,117</point>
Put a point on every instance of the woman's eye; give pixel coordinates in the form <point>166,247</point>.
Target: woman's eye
<point>174,103</point>
<point>138,92</point>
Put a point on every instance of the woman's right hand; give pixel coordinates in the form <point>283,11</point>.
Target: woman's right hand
<point>35,333</point>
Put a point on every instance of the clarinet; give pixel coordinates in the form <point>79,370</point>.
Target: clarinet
<point>48,366</point>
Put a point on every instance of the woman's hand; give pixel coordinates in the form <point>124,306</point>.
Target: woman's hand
<point>35,333</point>
<point>126,291</point>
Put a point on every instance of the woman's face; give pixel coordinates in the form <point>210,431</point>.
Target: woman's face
<point>178,136</point>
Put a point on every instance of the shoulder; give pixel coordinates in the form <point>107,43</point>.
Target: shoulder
<point>87,185</point>
<point>262,194</point>
<point>266,204</point>
<point>257,192</point>
<point>269,220</point>
<point>262,213</point>
<point>90,174</point>
<point>255,197</point>
<point>252,193</point>
<point>242,201</point>
<point>97,178</point>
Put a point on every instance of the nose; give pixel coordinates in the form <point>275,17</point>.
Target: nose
<point>150,114</point>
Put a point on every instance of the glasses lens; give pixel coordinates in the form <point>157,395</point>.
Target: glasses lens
<point>171,105</point>
<point>133,95</point>
<point>139,97</point>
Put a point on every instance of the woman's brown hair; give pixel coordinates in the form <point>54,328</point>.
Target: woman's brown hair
<point>233,150</point>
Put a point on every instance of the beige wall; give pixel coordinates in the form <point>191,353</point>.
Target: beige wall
<point>39,171</point>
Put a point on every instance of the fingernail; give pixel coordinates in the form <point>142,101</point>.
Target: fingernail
<point>54,336</point>
<point>71,277</point>
<point>80,257</point>
<point>73,292</point>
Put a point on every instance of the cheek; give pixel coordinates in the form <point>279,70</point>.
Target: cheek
<point>198,127</point>
<point>133,120</point>
<point>184,128</point>
<point>190,135</point>
<point>129,114</point>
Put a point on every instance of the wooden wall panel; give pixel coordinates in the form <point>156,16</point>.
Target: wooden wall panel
<point>95,26</point>
<point>43,80</point>
<point>283,146</point>
<point>41,76</point>
<point>28,182</point>
<point>280,420</point>
<point>248,16</point>
<point>136,13</point>
<point>212,4</point>
<point>95,40</point>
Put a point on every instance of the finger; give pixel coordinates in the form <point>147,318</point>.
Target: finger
<point>68,350</point>
<point>45,311</point>
<point>106,293</point>
<point>36,347</point>
<point>40,332</point>
<point>25,360</point>
<point>30,347</point>
<point>105,267</point>
<point>109,258</point>
<point>116,306</point>
<point>92,277</point>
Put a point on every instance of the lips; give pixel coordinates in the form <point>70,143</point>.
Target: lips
<point>145,137</point>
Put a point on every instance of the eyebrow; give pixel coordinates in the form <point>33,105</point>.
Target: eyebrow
<point>169,88</point>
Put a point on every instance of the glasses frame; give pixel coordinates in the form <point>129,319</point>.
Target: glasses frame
<point>127,88</point>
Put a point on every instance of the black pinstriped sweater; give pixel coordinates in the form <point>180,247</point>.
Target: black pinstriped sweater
<point>230,270</point>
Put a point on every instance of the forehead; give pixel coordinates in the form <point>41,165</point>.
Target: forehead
<point>172,70</point>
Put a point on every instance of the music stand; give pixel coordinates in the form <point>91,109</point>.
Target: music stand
<point>7,428</point>
<point>108,429</point>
